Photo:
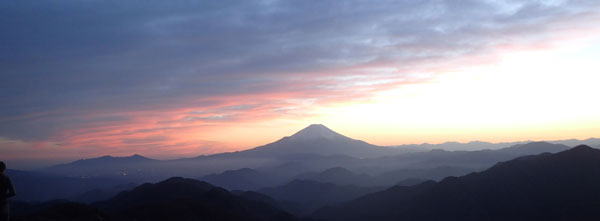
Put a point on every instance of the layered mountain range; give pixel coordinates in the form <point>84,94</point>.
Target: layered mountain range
<point>561,186</point>
<point>547,186</point>
<point>314,153</point>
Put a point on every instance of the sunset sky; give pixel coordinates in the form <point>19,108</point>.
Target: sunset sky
<point>177,78</point>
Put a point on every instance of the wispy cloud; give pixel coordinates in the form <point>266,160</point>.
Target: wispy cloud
<point>106,73</point>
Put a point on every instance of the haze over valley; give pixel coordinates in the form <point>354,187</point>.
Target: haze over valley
<point>303,176</point>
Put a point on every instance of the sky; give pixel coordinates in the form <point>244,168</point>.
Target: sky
<point>181,78</point>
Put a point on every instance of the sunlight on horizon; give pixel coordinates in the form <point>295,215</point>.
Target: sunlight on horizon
<point>526,95</point>
<point>436,72</point>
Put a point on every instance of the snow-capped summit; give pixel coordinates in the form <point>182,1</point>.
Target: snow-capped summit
<point>316,131</point>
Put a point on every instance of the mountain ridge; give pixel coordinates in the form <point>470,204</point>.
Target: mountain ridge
<point>316,131</point>
<point>318,139</point>
<point>320,131</point>
<point>559,186</point>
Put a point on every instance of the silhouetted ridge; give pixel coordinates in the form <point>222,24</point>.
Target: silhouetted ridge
<point>188,199</point>
<point>535,148</point>
<point>170,189</point>
<point>109,159</point>
<point>583,149</point>
<point>183,184</point>
<point>575,155</point>
<point>172,199</point>
<point>560,186</point>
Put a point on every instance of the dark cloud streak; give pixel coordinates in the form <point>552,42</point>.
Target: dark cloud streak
<point>72,58</point>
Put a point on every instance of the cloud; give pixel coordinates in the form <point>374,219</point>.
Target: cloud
<point>145,140</point>
<point>74,69</point>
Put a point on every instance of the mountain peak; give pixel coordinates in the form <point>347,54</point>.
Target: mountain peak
<point>317,139</point>
<point>582,147</point>
<point>583,150</point>
<point>138,156</point>
<point>316,131</point>
<point>120,158</point>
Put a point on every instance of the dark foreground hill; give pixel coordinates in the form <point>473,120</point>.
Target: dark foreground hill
<point>561,186</point>
<point>172,199</point>
<point>54,211</point>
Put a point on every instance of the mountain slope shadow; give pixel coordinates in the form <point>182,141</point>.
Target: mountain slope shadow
<point>561,186</point>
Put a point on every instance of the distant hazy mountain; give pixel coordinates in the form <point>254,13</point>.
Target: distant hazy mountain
<point>403,177</point>
<point>535,148</point>
<point>560,186</point>
<point>312,149</point>
<point>480,145</point>
<point>458,146</point>
<point>132,168</point>
<point>339,176</point>
<point>96,177</point>
<point>318,139</point>
<point>305,196</point>
<point>592,142</point>
<point>242,179</point>
<point>315,143</point>
<point>466,160</point>
<point>105,160</point>
<point>410,176</point>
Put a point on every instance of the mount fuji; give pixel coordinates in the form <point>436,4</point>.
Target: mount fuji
<point>317,139</point>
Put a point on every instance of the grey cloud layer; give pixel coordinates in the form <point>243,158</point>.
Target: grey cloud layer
<point>62,59</point>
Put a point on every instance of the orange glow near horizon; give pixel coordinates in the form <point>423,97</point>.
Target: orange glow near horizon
<point>544,94</point>
<point>538,93</point>
<point>523,96</point>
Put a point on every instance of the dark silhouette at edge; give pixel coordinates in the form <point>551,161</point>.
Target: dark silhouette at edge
<point>6,191</point>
